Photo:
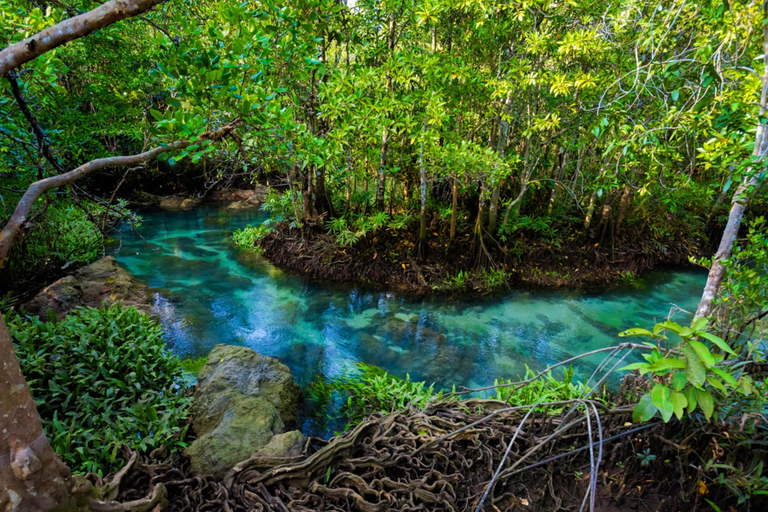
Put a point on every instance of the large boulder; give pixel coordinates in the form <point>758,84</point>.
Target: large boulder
<point>242,406</point>
<point>101,283</point>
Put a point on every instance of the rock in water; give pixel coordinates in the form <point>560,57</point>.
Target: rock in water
<point>242,405</point>
<point>103,282</point>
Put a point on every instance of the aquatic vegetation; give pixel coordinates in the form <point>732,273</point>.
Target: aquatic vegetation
<point>102,378</point>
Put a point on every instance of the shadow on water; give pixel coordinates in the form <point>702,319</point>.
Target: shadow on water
<point>214,293</point>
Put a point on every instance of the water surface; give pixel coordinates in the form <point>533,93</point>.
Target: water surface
<point>212,292</point>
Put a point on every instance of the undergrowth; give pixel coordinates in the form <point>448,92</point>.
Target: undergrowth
<point>102,378</point>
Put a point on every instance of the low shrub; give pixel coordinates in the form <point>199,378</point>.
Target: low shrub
<point>102,378</point>
<point>249,236</point>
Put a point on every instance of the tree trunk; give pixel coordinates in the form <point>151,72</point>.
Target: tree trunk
<point>590,211</point>
<point>380,191</point>
<point>454,206</point>
<point>422,252</point>
<point>32,477</point>
<point>493,209</point>
<point>323,202</point>
<point>557,183</point>
<point>741,197</point>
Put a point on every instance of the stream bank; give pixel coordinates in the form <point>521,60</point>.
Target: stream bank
<point>387,260</point>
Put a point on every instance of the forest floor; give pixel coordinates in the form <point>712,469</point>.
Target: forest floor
<point>385,260</point>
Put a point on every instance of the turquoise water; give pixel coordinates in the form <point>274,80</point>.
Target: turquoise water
<point>211,292</point>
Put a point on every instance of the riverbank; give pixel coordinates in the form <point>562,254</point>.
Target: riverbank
<point>387,260</point>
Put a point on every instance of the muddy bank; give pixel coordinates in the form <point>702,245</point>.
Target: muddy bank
<point>388,260</point>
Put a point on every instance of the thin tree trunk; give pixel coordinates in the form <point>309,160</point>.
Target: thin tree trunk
<point>381,189</point>
<point>741,197</point>
<point>590,211</point>
<point>422,252</point>
<point>454,206</point>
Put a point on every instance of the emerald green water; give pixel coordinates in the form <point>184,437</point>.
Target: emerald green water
<point>210,292</point>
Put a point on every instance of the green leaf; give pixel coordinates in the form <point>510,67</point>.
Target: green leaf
<point>660,397</point>
<point>699,324</point>
<point>694,370</point>
<point>679,402</point>
<point>727,377</point>
<point>636,331</point>
<point>675,95</point>
<point>668,363</point>
<point>692,396</point>
<point>669,325</point>
<point>644,410</point>
<point>156,114</point>
<point>719,342</point>
<point>679,380</point>
<point>643,367</point>
<point>703,352</point>
<point>706,402</point>
<point>717,385</point>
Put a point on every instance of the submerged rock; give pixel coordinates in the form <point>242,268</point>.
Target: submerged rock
<point>240,199</point>
<point>179,202</point>
<point>242,405</point>
<point>101,283</point>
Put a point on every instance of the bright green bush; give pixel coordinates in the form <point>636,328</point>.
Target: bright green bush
<point>62,233</point>
<point>102,378</point>
<point>249,236</point>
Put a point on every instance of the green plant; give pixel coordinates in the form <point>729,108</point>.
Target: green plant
<point>368,389</point>
<point>544,389</point>
<point>491,278</point>
<point>458,282</point>
<point>646,457</point>
<point>102,378</point>
<point>687,375</point>
<point>63,233</point>
<point>249,236</point>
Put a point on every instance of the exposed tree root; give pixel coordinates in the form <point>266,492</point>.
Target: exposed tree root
<point>417,460</point>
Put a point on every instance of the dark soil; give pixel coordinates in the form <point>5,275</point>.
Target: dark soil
<point>387,260</point>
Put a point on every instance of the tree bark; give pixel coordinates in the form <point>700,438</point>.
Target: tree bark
<point>32,477</point>
<point>741,197</point>
<point>70,29</point>
<point>454,206</point>
<point>381,189</point>
<point>422,252</point>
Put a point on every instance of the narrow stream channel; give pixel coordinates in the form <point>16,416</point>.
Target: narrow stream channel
<point>210,292</point>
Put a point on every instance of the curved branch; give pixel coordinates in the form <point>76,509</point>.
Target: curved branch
<point>72,28</point>
<point>38,188</point>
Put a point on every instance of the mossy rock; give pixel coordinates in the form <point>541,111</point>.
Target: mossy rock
<point>242,401</point>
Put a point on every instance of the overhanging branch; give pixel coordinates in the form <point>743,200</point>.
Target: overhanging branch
<point>38,188</point>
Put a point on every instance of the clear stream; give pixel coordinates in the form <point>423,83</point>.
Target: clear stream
<point>211,292</point>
